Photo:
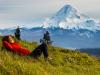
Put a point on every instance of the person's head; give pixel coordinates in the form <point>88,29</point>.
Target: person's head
<point>10,39</point>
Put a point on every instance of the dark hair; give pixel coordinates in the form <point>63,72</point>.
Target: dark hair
<point>6,38</point>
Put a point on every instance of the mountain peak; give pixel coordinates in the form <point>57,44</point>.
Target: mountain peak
<point>66,7</point>
<point>68,18</point>
<point>66,11</point>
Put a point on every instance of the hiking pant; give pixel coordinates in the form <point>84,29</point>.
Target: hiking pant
<point>39,50</point>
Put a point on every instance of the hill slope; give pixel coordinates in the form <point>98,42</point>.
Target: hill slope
<point>63,62</point>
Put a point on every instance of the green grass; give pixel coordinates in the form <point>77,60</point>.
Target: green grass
<point>63,62</point>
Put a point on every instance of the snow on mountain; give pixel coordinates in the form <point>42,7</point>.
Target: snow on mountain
<point>69,18</point>
<point>68,28</point>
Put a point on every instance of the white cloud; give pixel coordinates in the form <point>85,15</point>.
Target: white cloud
<point>13,12</point>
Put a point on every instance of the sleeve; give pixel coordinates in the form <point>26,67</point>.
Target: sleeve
<point>25,51</point>
<point>17,44</point>
<point>7,45</point>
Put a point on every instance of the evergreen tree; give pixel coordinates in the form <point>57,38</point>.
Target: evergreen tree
<point>17,33</point>
<point>47,37</point>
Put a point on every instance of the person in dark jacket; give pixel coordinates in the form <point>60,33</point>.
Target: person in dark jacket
<point>17,33</point>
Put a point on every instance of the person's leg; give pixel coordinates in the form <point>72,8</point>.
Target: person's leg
<point>37,52</point>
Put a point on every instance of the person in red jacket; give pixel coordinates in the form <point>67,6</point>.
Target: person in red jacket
<point>13,46</point>
<point>9,43</point>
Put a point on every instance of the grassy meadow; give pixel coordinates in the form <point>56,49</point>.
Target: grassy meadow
<point>61,62</point>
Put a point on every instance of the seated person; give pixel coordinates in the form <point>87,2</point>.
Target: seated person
<point>9,43</point>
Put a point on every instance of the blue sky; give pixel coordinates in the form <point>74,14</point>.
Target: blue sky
<point>29,12</point>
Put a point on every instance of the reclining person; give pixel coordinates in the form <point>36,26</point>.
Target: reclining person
<point>10,44</point>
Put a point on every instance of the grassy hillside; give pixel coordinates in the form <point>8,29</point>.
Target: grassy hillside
<point>63,62</point>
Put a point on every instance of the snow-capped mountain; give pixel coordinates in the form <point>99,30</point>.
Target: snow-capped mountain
<point>68,28</point>
<point>69,18</point>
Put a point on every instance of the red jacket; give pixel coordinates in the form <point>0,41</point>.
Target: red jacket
<point>15,47</point>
